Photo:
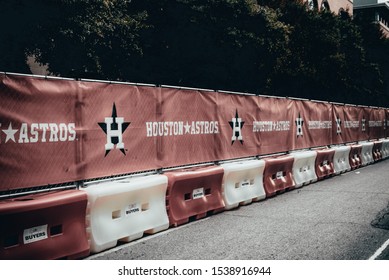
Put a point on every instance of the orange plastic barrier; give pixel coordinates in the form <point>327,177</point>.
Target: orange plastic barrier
<point>44,226</point>
<point>193,194</point>
<point>355,156</point>
<point>278,176</point>
<point>377,150</point>
<point>324,164</point>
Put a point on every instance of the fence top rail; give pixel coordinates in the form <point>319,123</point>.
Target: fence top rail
<point>117,82</point>
<point>298,99</point>
<point>48,77</point>
<point>37,76</point>
<point>236,92</point>
<point>187,88</point>
<point>271,96</point>
<point>338,103</point>
<point>320,101</point>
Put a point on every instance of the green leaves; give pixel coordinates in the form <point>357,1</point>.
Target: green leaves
<point>214,44</point>
<point>328,59</point>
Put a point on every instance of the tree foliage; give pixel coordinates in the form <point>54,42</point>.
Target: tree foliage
<point>75,38</point>
<point>232,44</point>
<point>328,59</point>
<point>274,47</point>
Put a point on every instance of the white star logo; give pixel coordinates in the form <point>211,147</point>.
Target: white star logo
<point>187,128</point>
<point>10,133</point>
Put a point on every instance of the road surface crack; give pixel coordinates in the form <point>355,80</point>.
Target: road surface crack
<point>382,219</point>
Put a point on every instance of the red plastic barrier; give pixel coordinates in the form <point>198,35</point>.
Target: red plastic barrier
<point>44,226</point>
<point>355,156</point>
<point>377,150</point>
<point>324,164</point>
<point>193,194</point>
<point>278,176</point>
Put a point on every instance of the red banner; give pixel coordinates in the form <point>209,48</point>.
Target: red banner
<point>185,128</point>
<point>114,130</point>
<point>55,131</point>
<point>350,124</point>
<point>313,121</point>
<point>375,121</point>
<point>38,137</point>
<point>236,114</point>
<point>274,126</point>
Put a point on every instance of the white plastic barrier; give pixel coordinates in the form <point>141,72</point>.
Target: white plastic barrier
<point>341,159</point>
<point>367,153</point>
<point>304,168</point>
<point>125,209</point>
<point>242,183</point>
<point>385,148</point>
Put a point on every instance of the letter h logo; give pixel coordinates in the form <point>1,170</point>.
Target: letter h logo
<point>338,126</point>
<point>114,128</point>
<point>114,133</point>
<point>236,125</point>
<point>363,124</point>
<point>299,124</point>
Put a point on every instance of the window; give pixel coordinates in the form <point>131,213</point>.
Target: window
<point>312,5</point>
<point>325,6</point>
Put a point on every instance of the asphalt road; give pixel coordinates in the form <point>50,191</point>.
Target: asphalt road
<point>345,217</point>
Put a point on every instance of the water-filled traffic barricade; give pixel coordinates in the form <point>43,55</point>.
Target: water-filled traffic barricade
<point>44,226</point>
<point>367,153</point>
<point>242,183</point>
<point>193,194</point>
<point>278,175</point>
<point>125,209</point>
<point>304,168</point>
<point>355,157</point>
<point>324,164</point>
<point>377,150</point>
<point>341,159</point>
<point>385,148</point>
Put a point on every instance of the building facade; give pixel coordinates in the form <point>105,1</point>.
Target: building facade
<point>376,10</point>
<point>335,6</point>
